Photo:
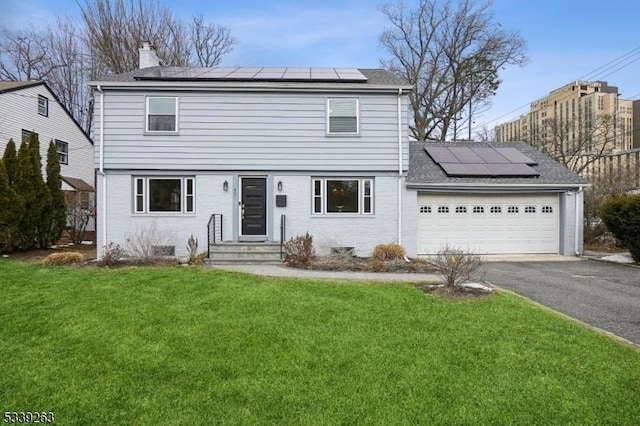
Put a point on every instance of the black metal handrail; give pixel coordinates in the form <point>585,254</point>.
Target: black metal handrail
<point>214,231</point>
<point>283,232</point>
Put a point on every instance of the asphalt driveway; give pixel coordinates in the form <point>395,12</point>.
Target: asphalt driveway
<point>604,295</point>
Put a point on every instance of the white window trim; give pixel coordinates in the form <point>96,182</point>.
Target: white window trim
<point>145,195</point>
<point>361,197</point>
<point>45,113</point>
<point>327,118</point>
<point>66,152</point>
<point>176,114</point>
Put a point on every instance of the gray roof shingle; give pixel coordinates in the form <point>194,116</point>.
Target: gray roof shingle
<point>423,171</point>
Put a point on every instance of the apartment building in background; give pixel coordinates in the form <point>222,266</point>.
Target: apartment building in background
<point>581,116</point>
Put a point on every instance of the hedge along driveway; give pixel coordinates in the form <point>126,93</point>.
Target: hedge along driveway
<point>601,294</point>
<point>194,346</point>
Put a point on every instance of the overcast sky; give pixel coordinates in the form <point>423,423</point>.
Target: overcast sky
<point>567,39</point>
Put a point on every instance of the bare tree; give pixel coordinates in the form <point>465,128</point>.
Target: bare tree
<point>116,29</point>
<point>451,53</point>
<point>209,42</point>
<point>24,55</point>
<point>577,144</point>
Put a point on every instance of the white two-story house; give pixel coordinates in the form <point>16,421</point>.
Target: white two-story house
<point>31,107</point>
<point>257,154</point>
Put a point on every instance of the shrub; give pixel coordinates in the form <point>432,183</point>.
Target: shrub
<point>63,258</point>
<point>384,252</point>
<point>112,254</point>
<point>149,243</point>
<point>192,249</point>
<point>621,214</point>
<point>457,266</point>
<point>299,250</point>
<point>374,266</point>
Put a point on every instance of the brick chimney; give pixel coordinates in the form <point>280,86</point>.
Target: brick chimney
<point>147,56</point>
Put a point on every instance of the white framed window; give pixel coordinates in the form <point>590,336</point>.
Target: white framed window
<point>443,209</point>
<point>461,209</point>
<point>164,194</point>
<point>26,135</point>
<point>161,114</point>
<point>343,116</point>
<point>43,105</point>
<point>547,209</point>
<point>513,209</point>
<point>425,209</point>
<point>478,209</point>
<point>530,209</point>
<point>343,195</point>
<point>496,209</point>
<point>62,148</point>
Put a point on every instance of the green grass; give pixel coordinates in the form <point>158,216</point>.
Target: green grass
<point>194,346</point>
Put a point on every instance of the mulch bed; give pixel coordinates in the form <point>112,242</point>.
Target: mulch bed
<point>362,264</point>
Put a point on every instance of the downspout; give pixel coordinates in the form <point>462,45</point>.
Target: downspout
<point>576,232</point>
<point>400,166</point>
<point>101,171</point>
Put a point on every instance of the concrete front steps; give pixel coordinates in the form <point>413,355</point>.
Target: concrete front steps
<point>244,252</point>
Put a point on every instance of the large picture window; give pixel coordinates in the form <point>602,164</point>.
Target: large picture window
<point>339,196</point>
<point>162,114</point>
<point>342,116</point>
<point>164,195</point>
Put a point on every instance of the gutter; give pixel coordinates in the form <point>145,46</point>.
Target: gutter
<point>575,232</point>
<point>101,171</point>
<point>400,166</point>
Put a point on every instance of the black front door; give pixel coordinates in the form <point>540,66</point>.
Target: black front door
<point>253,211</point>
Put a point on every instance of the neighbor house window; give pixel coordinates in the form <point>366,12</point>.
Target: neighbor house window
<point>343,196</point>
<point>162,114</point>
<point>163,195</point>
<point>63,151</point>
<point>84,200</point>
<point>26,135</point>
<point>342,116</point>
<point>43,106</point>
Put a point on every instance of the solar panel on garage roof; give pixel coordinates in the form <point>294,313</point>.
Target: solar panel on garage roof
<point>258,74</point>
<point>482,161</point>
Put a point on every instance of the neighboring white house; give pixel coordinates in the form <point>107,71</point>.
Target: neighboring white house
<point>320,150</point>
<point>325,150</point>
<point>30,107</point>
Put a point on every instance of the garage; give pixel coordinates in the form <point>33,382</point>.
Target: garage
<point>494,198</point>
<point>489,223</point>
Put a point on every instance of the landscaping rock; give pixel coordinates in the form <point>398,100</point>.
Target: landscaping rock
<point>476,288</point>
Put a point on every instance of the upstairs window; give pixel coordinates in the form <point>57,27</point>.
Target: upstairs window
<point>26,135</point>
<point>162,114</point>
<point>342,116</point>
<point>43,105</point>
<point>63,152</point>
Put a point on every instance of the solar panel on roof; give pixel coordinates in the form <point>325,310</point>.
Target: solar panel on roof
<point>490,155</point>
<point>255,73</point>
<point>441,155</point>
<point>466,155</point>
<point>511,170</point>
<point>515,156</point>
<point>457,169</point>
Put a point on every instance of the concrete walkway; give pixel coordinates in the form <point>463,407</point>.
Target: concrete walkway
<point>285,271</point>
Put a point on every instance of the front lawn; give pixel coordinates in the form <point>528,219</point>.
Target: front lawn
<point>194,346</point>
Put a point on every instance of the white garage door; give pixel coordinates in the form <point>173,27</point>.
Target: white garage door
<point>488,224</point>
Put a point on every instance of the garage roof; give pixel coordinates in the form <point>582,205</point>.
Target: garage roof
<point>424,171</point>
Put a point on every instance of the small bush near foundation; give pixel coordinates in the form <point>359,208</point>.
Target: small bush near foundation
<point>63,258</point>
<point>112,254</point>
<point>457,266</point>
<point>621,214</point>
<point>384,252</point>
<point>299,250</point>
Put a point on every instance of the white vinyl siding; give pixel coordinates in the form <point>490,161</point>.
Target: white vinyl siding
<point>163,195</point>
<point>162,114</point>
<point>343,116</point>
